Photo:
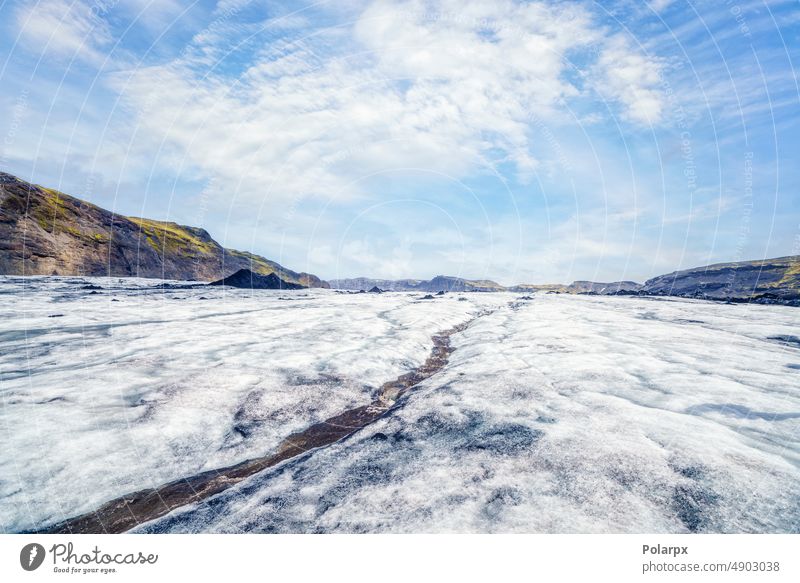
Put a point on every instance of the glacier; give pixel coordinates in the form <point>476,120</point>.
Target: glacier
<point>558,413</point>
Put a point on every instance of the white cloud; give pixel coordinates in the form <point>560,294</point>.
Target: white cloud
<point>155,15</point>
<point>633,79</point>
<point>659,5</point>
<point>450,88</point>
<point>63,29</point>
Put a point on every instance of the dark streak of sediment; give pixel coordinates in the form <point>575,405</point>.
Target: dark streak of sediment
<point>126,512</point>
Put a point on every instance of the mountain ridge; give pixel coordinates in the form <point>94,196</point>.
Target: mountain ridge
<point>435,284</point>
<point>46,232</point>
<point>763,281</point>
<point>766,279</point>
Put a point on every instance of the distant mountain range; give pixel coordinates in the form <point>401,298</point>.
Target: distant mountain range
<point>457,284</point>
<point>762,281</point>
<point>438,283</point>
<point>46,232</point>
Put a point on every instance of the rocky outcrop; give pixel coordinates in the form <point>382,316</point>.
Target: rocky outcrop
<point>244,278</point>
<point>765,280</point>
<point>46,232</point>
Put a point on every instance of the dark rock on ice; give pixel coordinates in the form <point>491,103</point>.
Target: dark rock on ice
<point>787,340</point>
<point>244,278</point>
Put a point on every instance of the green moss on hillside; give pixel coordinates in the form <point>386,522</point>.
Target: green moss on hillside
<point>54,211</point>
<point>47,231</point>
<point>50,211</point>
<point>257,264</point>
<point>173,239</point>
<point>791,277</point>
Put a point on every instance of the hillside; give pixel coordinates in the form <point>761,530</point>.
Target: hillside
<point>768,279</point>
<point>246,279</point>
<point>46,232</point>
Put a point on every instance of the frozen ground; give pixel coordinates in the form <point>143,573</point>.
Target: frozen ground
<point>557,414</point>
<point>99,398</point>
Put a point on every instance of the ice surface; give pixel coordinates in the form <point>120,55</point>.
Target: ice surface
<point>558,414</point>
<point>107,391</point>
<point>563,414</point>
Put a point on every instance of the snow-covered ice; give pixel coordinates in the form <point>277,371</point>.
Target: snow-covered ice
<point>557,414</point>
<point>103,397</point>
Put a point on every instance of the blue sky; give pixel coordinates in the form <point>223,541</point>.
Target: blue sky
<point>522,142</point>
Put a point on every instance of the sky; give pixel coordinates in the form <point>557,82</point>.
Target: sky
<point>530,142</point>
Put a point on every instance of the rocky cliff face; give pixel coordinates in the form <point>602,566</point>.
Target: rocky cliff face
<point>46,232</point>
<point>776,279</point>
